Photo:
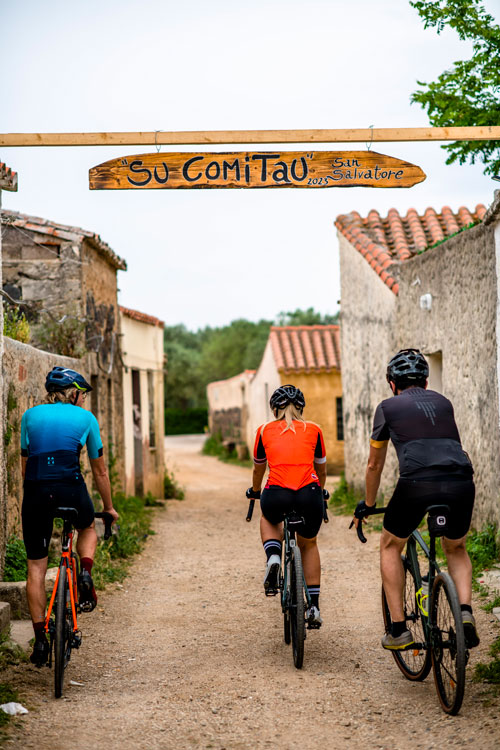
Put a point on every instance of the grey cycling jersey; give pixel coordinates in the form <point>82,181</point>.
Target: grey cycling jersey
<point>421,425</point>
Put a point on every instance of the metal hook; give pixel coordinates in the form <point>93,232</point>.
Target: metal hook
<point>157,146</point>
<point>369,145</point>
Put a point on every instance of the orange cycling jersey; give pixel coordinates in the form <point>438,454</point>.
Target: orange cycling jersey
<point>290,455</point>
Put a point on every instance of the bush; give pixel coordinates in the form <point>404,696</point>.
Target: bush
<point>16,565</point>
<point>213,445</point>
<point>483,548</point>
<point>185,421</point>
<point>344,498</point>
<point>64,337</point>
<point>171,488</point>
<point>15,325</point>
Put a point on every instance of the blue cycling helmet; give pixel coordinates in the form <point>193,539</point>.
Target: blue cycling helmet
<point>60,378</point>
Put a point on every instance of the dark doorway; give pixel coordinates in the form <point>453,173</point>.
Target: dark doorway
<point>136,416</point>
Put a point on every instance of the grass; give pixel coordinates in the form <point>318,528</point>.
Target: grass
<point>7,694</point>
<point>113,557</point>
<point>171,488</point>
<point>214,446</point>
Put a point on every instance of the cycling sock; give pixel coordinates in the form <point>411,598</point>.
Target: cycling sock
<point>39,628</point>
<point>466,608</point>
<point>272,547</point>
<point>314,595</point>
<point>398,628</point>
<point>86,564</point>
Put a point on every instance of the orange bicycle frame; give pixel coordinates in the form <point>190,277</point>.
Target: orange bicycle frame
<point>67,560</point>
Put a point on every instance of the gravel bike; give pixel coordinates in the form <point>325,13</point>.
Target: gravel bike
<point>61,624</point>
<point>435,620</point>
<point>294,595</point>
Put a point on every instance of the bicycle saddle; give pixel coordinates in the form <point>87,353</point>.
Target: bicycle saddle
<point>67,514</point>
<point>295,520</point>
<point>436,510</point>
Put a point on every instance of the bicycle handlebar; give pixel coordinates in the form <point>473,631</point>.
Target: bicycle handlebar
<point>326,497</point>
<point>359,529</point>
<point>250,509</point>
<point>108,520</point>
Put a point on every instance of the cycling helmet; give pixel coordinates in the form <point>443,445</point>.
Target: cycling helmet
<point>287,394</point>
<point>407,364</point>
<point>60,378</point>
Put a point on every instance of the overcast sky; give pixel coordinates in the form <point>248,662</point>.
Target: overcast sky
<point>206,257</point>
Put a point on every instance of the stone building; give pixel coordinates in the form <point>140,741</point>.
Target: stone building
<point>143,402</point>
<point>8,181</point>
<point>65,278</point>
<point>307,356</point>
<point>429,282</point>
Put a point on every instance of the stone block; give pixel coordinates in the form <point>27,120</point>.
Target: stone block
<point>496,612</point>
<point>4,618</point>
<point>14,593</point>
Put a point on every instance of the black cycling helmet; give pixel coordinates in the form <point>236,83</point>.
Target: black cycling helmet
<point>408,365</point>
<point>60,378</point>
<point>287,394</point>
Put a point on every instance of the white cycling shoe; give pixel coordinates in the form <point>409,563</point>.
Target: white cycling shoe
<point>271,579</point>
<point>313,618</point>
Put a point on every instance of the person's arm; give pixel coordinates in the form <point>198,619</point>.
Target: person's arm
<point>376,461</point>
<point>258,475</point>
<point>101,479</point>
<point>320,459</point>
<point>320,470</point>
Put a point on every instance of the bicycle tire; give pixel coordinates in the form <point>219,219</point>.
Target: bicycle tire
<point>448,644</point>
<point>61,641</point>
<point>297,614</point>
<point>415,664</point>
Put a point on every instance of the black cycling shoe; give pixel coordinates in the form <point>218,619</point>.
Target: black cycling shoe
<point>87,597</point>
<point>40,654</point>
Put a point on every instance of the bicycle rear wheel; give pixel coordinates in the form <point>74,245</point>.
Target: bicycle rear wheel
<point>297,613</point>
<point>62,643</point>
<point>448,644</point>
<point>414,663</point>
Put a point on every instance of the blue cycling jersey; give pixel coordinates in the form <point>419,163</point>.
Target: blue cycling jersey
<point>52,436</point>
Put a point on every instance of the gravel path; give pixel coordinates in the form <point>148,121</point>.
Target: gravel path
<point>189,653</point>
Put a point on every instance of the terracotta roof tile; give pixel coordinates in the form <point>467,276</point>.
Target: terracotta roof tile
<point>386,242</point>
<point>63,232</point>
<point>142,317</point>
<point>306,348</point>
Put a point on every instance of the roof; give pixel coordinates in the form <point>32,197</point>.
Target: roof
<point>142,317</point>
<point>63,232</point>
<point>385,242</point>
<point>8,178</point>
<point>306,348</point>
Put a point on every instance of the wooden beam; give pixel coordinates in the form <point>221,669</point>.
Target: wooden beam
<point>211,137</point>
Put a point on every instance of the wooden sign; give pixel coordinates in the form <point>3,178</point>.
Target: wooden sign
<point>262,169</point>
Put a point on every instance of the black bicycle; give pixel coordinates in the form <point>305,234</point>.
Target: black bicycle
<point>294,594</point>
<point>60,623</point>
<point>435,619</point>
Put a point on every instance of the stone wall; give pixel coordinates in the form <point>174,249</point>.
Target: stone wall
<point>3,490</point>
<point>228,422</point>
<point>24,371</point>
<point>460,331</point>
<point>367,310</point>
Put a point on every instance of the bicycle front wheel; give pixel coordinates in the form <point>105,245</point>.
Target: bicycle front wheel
<point>448,644</point>
<point>414,663</point>
<point>61,634</point>
<point>297,613</point>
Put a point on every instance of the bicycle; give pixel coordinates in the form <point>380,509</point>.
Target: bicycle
<point>61,624</point>
<point>294,595</point>
<point>439,639</point>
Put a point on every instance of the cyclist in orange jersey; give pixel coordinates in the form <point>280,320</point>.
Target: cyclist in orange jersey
<point>295,452</point>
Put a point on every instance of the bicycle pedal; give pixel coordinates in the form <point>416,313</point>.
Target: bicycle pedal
<point>272,592</point>
<point>76,640</point>
<point>313,625</point>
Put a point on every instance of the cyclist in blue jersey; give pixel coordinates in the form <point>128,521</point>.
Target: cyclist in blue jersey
<point>52,437</point>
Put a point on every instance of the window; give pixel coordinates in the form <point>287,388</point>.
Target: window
<point>340,419</point>
<point>435,361</point>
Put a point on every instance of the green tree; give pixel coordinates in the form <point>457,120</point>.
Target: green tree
<point>307,317</point>
<point>469,92</point>
<point>233,348</point>
<point>183,385</point>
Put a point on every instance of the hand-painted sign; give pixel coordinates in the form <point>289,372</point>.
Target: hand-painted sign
<point>254,169</point>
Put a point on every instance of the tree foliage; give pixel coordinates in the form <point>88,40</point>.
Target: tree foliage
<point>196,358</point>
<point>469,92</point>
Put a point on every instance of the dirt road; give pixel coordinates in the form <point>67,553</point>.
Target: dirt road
<point>189,653</point>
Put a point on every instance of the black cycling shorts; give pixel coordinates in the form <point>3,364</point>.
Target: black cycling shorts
<point>39,502</point>
<point>411,498</point>
<point>276,502</point>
